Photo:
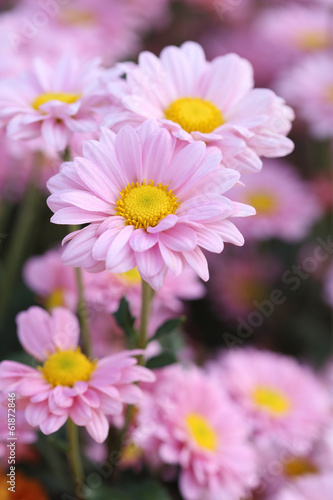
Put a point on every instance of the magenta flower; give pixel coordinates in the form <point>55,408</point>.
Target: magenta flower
<point>68,384</point>
<point>210,101</point>
<point>309,488</point>
<point>151,202</point>
<point>52,101</point>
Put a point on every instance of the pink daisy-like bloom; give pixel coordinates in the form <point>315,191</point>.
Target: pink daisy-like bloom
<point>68,384</point>
<point>309,87</point>
<point>294,30</point>
<point>209,101</point>
<point>285,204</point>
<point>285,402</point>
<point>318,487</point>
<point>185,421</point>
<point>53,101</point>
<point>151,202</point>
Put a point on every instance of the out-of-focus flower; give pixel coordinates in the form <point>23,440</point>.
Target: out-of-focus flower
<point>293,30</point>
<point>308,86</point>
<point>210,101</point>
<point>68,384</point>
<point>285,402</point>
<point>322,186</point>
<point>53,101</point>
<point>187,421</point>
<point>152,202</point>
<point>285,205</point>
<point>309,488</point>
<point>239,280</point>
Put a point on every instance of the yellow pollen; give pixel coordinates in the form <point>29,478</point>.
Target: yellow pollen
<point>54,96</point>
<point>271,400</point>
<point>264,203</point>
<point>202,432</point>
<point>145,205</point>
<point>299,466</point>
<point>131,277</point>
<point>313,40</point>
<point>55,299</point>
<point>130,453</point>
<point>194,114</point>
<point>67,367</point>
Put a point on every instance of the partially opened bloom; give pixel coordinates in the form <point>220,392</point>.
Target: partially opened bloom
<point>308,86</point>
<point>186,421</point>
<point>284,400</point>
<point>151,202</point>
<point>52,100</point>
<point>285,204</point>
<point>210,101</point>
<point>67,384</point>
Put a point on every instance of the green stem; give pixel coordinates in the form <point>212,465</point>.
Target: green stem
<point>74,456</point>
<point>146,297</point>
<point>17,246</point>
<point>83,313</point>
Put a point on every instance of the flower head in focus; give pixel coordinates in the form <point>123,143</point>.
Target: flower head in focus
<point>151,202</point>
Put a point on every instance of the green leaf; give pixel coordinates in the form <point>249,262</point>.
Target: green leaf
<point>147,490</point>
<point>169,326</point>
<point>164,359</point>
<point>124,318</point>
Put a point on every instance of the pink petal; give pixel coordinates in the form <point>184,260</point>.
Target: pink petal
<point>98,427</point>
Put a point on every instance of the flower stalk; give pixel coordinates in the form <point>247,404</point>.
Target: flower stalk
<point>74,456</point>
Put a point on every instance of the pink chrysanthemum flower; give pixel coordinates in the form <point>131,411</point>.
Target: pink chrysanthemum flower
<point>309,87</point>
<point>294,30</point>
<point>53,101</point>
<point>210,101</point>
<point>152,203</point>
<point>186,421</point>
<point>309,488</point>
<point>285,204</point>
<point>285,401</point>
<point>68,384</point>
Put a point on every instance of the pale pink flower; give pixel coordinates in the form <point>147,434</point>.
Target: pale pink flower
<point>68,384</point>
<point>151,202</point>
<point>317,487</point>
<point>210,101</point>
<point>308,86</point>
<point>53,101</point>
<point>285,402</point>
<point>293,30</point>
<point>285,205</point>
<point>186,421</point>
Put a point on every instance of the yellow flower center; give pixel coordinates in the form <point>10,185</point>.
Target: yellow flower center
<point>77,17</point>
<point>145,205</point>
<point>55,299</point>
<point>67,367</point>
<point>194,114</point>
<point>264,203</point>
<point>313,40</point>
<point>131,453</point>
<point>131,277</point>
<point>299,467</point>
<point>201,431</point>
<point>271,400</point>
<point>54,96</point>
